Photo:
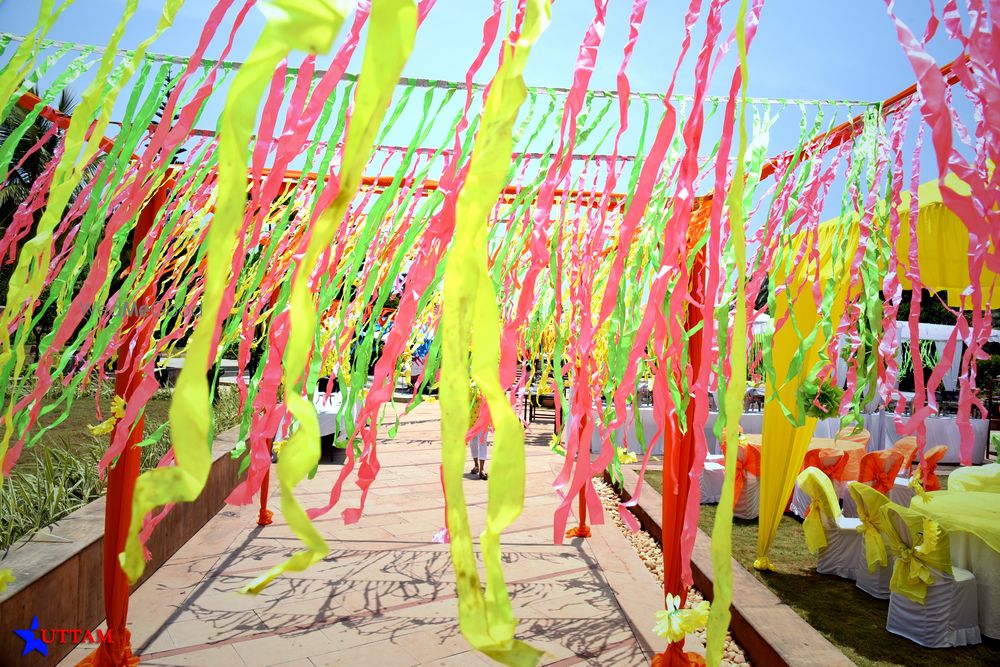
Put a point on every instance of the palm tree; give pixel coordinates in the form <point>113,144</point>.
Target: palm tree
<point>32,155</point>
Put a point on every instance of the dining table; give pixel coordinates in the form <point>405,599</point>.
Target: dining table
<point>976,478</point>
<point>972,522</point>
<point>855,451</point>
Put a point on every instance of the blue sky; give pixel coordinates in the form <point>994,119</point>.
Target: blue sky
<point>844,49</point>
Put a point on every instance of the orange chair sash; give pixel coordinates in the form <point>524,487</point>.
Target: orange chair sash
<point>831,462</point>
<point>928,467</point>
<point>879,469</point>
<point>747,463</point>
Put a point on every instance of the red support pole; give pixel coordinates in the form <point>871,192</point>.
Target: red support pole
<point>265,516</point>
<point>678,456</point>
<point>116,651</point>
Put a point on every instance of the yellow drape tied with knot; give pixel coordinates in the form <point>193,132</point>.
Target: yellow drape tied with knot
<point>824,502</point>
<point>784,445</point>
<point>920,546</point>
<point>870,503</point>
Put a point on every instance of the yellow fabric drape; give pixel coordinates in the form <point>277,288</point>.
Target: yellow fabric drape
<point>783,445</point>
<point>943,245</point>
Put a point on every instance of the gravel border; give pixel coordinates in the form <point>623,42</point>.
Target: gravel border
<point>652,557</point>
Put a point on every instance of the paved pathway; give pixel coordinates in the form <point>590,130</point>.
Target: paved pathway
<point>386,591</point>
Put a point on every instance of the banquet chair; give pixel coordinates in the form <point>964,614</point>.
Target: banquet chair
<point>872,574</point>
<point>930,602</point>
<point>861,436</point>
<point>831,462</point>
<point>828,533</point>
<point>907,447</point>
<point>747,485</point>
<point>747,475</point>
<point>878,470</point>
<point>928,467</point>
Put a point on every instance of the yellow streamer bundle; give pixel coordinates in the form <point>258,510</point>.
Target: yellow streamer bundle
<point>722,531</point>
<point>470,319</point>
<point>391,34</point>
<point>291,24</point>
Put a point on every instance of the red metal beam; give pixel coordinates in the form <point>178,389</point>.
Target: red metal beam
<point>61,120</point>
<point>845,131</point>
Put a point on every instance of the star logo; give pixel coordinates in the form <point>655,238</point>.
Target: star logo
<point>31,640</point>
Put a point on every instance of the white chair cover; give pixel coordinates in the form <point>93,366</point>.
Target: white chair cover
<point>875,584</point>
<point>950,613</point>
<point>748,506</point>
<point>712,477</point>
<point>844,548</point>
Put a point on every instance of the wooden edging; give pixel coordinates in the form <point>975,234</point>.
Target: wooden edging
<point>769,631</point>
<point>59,570</point>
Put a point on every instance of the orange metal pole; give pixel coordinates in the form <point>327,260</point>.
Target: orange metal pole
<point>117,650</point>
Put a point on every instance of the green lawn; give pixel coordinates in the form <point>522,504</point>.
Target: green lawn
<point>849,618</point>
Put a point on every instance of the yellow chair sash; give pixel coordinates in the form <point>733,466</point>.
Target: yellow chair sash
<point>819,488</point>
<point>869,503</point>
<point>923,549</point>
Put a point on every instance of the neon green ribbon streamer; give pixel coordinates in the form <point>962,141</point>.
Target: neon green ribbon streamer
<point>190,411</point>
<point>471,319</point>
<point>722,531</point>
<point>395,23</point>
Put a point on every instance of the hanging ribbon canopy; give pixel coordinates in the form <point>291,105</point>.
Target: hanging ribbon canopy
<point>311,223</point>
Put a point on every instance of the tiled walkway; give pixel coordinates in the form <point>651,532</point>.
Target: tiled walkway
<point>385,593</point>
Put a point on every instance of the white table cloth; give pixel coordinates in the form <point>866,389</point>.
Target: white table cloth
<point>971,553</point>
<point>940,431</point>
<point>327,412</point>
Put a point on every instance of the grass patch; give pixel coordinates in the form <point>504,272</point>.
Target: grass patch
<point>839,610</point>
<point>59,475</point>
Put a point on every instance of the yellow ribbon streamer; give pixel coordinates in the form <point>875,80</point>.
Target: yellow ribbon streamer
<point>190,411</point>
<point>6,577</point>
<point>395,24</point>
<point>470,319</point>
